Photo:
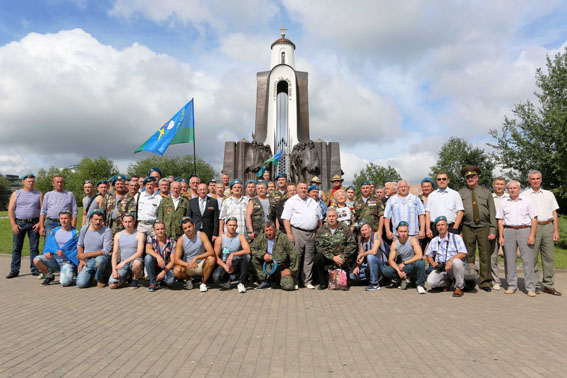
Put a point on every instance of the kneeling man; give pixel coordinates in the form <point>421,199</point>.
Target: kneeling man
<point>336,246</point>
<point>59,251</point>
<point>232,253</point>
<point>128,248</point>
<point>158,259</point>
<point>445,254</point>
<point>93,250</point>
<point>407,252</point>
<point>274,258</point>
<point>194,256</point>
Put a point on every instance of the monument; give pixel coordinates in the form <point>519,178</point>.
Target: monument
<point>282,124</point>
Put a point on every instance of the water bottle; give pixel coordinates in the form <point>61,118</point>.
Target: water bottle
<point>224,254</point>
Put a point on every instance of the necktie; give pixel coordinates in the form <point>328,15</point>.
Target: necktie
<point>475,212</point>
<point>202,206</point>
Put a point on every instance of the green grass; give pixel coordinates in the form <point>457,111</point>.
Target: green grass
<point>6,234</point>
<point>6,239</point>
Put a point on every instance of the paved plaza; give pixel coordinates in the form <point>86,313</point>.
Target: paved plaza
<point>54,331</point>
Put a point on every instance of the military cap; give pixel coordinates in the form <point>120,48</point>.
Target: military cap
<point>148,179</point>
<point>350,187</point>
<point>119,178</point>
<point>29,175</point>
<point>154,170</point>
<point>315,179</point>
<point>440,218</point>
<point>249,181</point>
<point>312,187</point>
<point>102,182</point>
<point>212,180</point>
<point>337,178</point>
<point>469,170</point>
<point>281,175</point>
<point>235,181</point>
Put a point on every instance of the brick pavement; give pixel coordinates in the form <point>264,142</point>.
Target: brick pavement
<point>54,331</point>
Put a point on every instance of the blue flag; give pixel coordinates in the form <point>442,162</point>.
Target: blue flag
<point>179,129</point>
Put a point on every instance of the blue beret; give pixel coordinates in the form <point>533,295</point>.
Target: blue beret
<point>312,187</point>
<point>119,178</point>
<point>235,181</point>
<point>154,170</point>
<point>249,181</point>
<point>149,179</point>
<point>440,218</point>
<point>350,187</point>
<point>102,182</point>
<point>29,175</point>
<point>281,175</point>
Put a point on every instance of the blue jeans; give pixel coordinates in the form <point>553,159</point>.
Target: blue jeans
<point>18,243</point>
<point>66,268</point>
<point>94,266</point>
<point>375,266</point>
<point>153,270</point>
<point>49,226</point>
<point>415,270</point>
<point>123,273</point>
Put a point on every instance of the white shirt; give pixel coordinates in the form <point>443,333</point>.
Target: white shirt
<point>444,202</point>
<point>202,205</point>
<point>544,202</point>
<point>175,201</point>
<point>516,213</point>
<point>148,206</point>
<point>497,199</point>
<point>304,214</point>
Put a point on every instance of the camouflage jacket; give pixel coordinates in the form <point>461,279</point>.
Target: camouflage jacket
<point>110,204</point>
<point>284,251</point>
<point>258,214</point>
<point>171,217</point>
<point>342,242</point>
<point>371,211</point>
<point>275,200</point>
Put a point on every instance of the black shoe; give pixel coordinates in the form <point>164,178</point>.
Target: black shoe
<point>263,286</point>
<point>35,273</point>
<point>48,280</point>
<point>13,274</point>
<point>488,289</point>
<point>152,288</point>
<point>323,287</point>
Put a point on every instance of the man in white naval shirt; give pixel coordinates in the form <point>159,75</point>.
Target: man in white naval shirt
<point>446,202</point>
<point>302,217</point>
<point>517,224</point>
<point>547,232</point>
<point>148,206</point>
<point>499,186</point>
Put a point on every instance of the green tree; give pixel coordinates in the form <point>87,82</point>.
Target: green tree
<point>177,166</point>
<point>376,173</point>
<point>455,154</point>
<point>535,137</point>
<point>4,193</point>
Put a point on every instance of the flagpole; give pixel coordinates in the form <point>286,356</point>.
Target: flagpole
<point>194,150</point>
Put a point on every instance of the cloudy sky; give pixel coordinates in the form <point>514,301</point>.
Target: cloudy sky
<point>390,80</point>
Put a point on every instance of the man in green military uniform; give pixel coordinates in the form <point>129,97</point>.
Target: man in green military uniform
<point>171,209</point>
<point>335,245</point>
<point>126,205</point>
<point>369,208</point>
<point>479,223</point>
<point>280,191</point>
<point>112,205</point>
<point>259,210</point>
<point>272,246</point>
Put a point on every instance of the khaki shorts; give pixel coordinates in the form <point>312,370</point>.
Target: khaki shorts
<point>198,271</point>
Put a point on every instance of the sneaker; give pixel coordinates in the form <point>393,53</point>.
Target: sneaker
<point>531,294</point>
<point>403,285</point>
<point>100,284</point>
<point>372,287</point>
<point>13,274</point>
<point>241,288</point>
<point>134,284</point>
<point>510,291</point>
<point>50,277</point>
<point>152,288</point>
<point>496,287</point>
<point>421,290</point>
<point>310,286</point>
<point>296,287</point>
<point>203,288</point>
<point>188,284</point>
<point>263,286</point>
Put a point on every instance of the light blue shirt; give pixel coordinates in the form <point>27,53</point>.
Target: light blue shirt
<point>443,249</point>
<point>407,209</point>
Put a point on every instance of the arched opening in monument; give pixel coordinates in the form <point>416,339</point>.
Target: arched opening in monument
<point>282,134</point>
<point>283,57</point>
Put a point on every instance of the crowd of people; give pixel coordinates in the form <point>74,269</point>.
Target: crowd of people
<point>278,234</point>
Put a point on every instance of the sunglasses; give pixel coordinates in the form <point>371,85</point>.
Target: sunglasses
<point>442,179</point>
<point>471,177</point>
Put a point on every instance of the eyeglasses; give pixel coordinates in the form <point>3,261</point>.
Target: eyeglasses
<point>442,179</point>
<point>470,177</point>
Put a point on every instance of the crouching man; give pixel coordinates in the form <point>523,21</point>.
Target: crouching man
<point>59,251</point>
<point>158,260</point>
<point>445,254</point>
<point>406,260</point>
<point>275,259</point>
<point>194,256</point>
<point>93,250</point>
<point>128,248</point>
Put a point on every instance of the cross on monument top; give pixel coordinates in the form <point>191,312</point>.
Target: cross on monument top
<point>283,29</point>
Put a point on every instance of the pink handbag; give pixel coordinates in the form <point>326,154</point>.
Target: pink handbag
<point>337,279</point>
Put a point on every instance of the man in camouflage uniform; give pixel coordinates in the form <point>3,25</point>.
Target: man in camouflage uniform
<point>274,245</point>
<point>280,191</point>
<point>126,205</point>
<point>336,246</point>
<point>258,211</point>
<point>369,208</point>
<point>171,209</point>
<point>112,205</point>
